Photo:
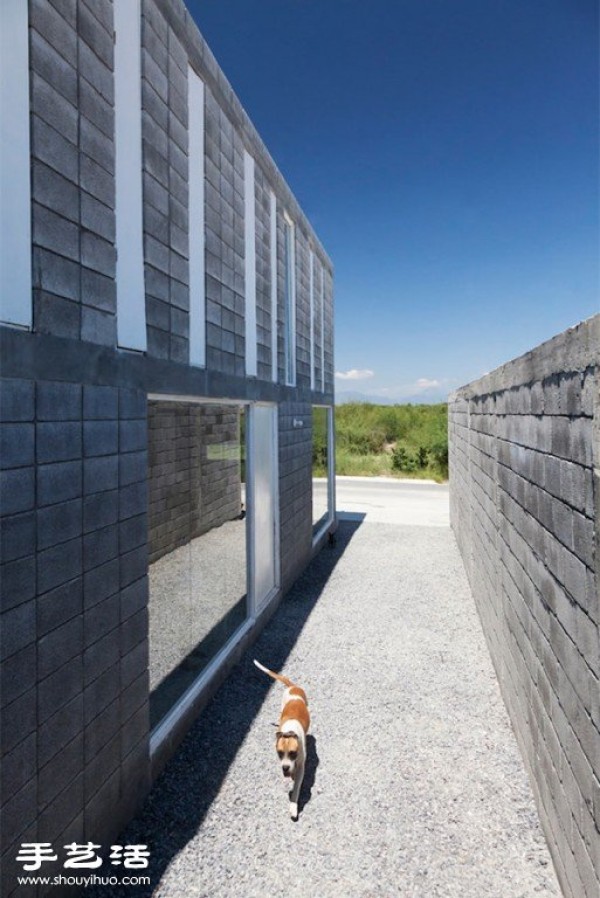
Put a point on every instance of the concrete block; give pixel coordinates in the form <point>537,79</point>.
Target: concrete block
<point>16,445</point>
<point>52,148</point>
<point>17,536</point>
<point>16,399</point>
<point>100,292</point>
<point>570,393</point>
<point>155,77</point>
<point>18,581</point>
<point>133,532</point>
<point>60,688</point>
<point>157,313</point>
<point>49,105</point>
<point>102,765</point>
<point>133,436</point>
<point>98,326</point>
<point>133,566</point>
<point>102,619</point>
<point>58,774</point>
<point>133,631</point>
<point>96,109</point>
<point>52,67</point>
<point>101,437</point>
<point>58,482</point>
<point>54,232</point>
<point>588,388</point>
<point>100,546</point>
<point>17,629</point>
<point>581,440</point>
<point>18,814</point>
<point>179,349</point>
<point>180,295</point>
<point>19,720</point>
<point>100,402</point>
<point>134,597</point>
<point>58,194</point>
<point>58,401</point>
<point>99,219</point>
<point>18,675</point>
<point>100,510</point>
<point>59,564</point>
<point>100,656</point>
<point>101,692</point>
<point>132,403</point>
<point>59,523</point>
<point>53,274</point>
<point>100,583</point>
<point>100,474</point>
<point>60,729</point>
<point>96,71</point>
<point>97,181</point>
<point>58,606</point>
<point>132,467</point>
<point>55,315</point>
<point>18,768</point>
<point>103,11</point>
<point>96,36</point>
<point>156,254</point>
<point>98,254</point>
<point>56,29</point>
<point>583,538</point>
<point>58,441</point>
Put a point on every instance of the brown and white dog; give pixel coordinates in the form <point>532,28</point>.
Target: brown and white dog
<point>290,739</point>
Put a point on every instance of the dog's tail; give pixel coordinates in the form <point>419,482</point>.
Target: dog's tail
<point>286,682</point>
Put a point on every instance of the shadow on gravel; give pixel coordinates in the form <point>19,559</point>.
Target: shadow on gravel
<point>310,773</point>
<point>183,794</point>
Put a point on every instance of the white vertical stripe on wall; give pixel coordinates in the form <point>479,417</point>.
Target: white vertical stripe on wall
<point>250,267</point>
<point>196,220</point>
<point>273,287</point>
<point>15,189</point>
<point>312,320</point>
<point>131,301</point>
<point>322,330</point>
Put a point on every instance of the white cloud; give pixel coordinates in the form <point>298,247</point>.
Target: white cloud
<point>425,383</point>
<point>355,374</point>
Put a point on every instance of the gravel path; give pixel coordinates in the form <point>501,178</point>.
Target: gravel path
<point>415,787</point>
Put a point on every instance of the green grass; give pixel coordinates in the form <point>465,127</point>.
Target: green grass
<point>388,440</point>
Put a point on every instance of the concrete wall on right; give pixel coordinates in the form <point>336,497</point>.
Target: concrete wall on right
<point>524,505</point>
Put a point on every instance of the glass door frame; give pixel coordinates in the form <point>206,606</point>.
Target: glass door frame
<point>161,734</point>
<point>330,517</point>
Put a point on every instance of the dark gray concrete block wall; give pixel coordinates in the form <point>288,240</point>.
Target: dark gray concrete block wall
<point>525,497</point>
<point>74,433</point>
<point>73,618</point>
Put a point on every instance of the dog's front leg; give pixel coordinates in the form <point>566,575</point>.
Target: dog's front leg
<point>295,792</point>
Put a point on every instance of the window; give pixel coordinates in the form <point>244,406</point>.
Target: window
<point>250,264</point>
<point>323,468</point>
<point>197,541</point>
<point>15,211</point>
<point>290,303</point>
<point>131,299</point>
<point>196,220</point>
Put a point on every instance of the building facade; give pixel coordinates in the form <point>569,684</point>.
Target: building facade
<point>167,379</point>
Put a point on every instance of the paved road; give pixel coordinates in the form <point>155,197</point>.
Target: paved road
<point>414,788</point>
<point>414,502</point>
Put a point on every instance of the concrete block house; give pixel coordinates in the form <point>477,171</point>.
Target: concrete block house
<point>167,376</point>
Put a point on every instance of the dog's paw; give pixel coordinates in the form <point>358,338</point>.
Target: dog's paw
<point>293,810</point>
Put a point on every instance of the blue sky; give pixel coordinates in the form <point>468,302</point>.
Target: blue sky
<point>446,153</point>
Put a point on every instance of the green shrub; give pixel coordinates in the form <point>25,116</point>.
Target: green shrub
<point>406,439</point>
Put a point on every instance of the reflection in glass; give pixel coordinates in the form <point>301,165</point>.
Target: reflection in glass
<point>197,541</point>
<point>321,462</point>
